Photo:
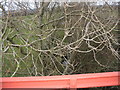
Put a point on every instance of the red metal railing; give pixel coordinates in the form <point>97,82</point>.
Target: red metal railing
<point>63,81</point>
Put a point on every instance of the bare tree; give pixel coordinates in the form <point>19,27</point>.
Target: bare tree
<point>60,38</point>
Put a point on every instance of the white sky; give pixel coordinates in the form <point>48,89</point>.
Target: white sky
<point>99,2</point>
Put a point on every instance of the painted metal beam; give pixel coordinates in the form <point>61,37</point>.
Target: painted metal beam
<point>63,81</point>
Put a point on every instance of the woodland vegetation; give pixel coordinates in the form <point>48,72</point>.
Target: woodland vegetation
<point>59,38</point>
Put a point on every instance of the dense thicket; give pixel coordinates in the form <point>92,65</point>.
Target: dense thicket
<point>59,38</point>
